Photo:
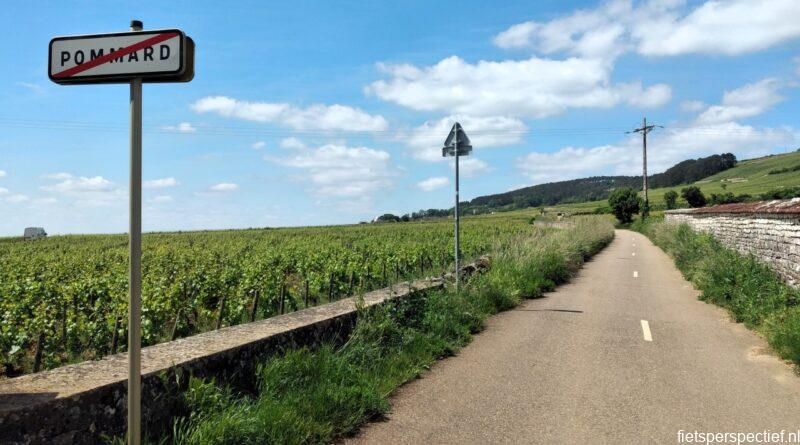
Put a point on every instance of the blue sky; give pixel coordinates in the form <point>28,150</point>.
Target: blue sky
<point>306,113</point>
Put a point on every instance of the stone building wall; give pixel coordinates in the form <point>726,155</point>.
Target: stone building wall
<point>769,230</point>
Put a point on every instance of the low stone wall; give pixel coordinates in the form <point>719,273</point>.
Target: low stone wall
<point>78,404</point>
<point>770,230</point>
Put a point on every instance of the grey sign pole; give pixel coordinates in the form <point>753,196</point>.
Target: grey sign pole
<point>457,145</point>
<point>70,65</point>
<point>135,303</point>
<point>457,217</point>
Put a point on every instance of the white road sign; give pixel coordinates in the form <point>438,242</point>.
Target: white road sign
<point>154,56</point>
<point>127,57</point>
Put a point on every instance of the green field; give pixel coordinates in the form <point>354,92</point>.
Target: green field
<point>750,176</point>
<point>64,299</point>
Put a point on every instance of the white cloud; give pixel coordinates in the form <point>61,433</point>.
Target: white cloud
<point>434,183</point>
<point>715,27</point>
<point>661,28</point>
<point>292,143</point>
<point>520,35</point>
<point>470,167</point>
<point>692,106</point>
<point>534,88</point>
<point>258,145</point>
<point>224,187</point>
<point>349,175</point>
<point>714,131</point>
<point>45,201</point>
<point>2,174</point>
<point>16,199</point>
<point>161,199</point>
<point>594,33</point>
<point>314,117</point>
<point>748,101</point>
<point>426,140</point>
<point>665,148</point>
<point>81,184</point>
<point>57,176</point>
<point>35,87</point>
<point>183,127</point>
<point>161,183</point>
<point>89,191</point>
<point>4,191</point>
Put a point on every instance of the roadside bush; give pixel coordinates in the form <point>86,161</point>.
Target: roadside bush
<point>624,203</point>
<point>783,333</point>
<point>748,288</point>
<point>781,193</point>
<point>670,199</point>
<point>694,196</point>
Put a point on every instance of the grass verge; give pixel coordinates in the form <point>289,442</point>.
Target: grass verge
<point>317,395</point>
<point>751,291</point>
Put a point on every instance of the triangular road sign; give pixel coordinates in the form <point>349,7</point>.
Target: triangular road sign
<point>464,144</point>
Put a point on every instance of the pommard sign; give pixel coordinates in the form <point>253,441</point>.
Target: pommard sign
<point>154,56</point>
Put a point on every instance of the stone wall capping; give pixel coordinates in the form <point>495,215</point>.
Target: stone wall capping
<point>79,403</point>
<point>770,230</point>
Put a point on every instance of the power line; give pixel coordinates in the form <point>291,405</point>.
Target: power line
<point>422,134</point>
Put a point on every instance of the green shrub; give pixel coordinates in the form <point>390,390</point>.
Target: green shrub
<point>781,193</point>
<point>670,199</point>
<point>624,203</point>
<point>782,330</point>
<point>694,196</point>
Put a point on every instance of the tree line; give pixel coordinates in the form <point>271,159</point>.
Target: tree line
<point>594,188</point>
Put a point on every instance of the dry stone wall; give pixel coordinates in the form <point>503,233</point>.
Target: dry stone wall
<point>81,403</point>
<point>768,230</point>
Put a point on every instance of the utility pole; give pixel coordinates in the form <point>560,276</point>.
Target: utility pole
<point>644,130</point>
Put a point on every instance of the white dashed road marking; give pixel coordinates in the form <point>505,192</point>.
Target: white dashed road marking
<point>646,331</point>
<point>635,274</point>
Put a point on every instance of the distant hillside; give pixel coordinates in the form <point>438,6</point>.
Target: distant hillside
<point>599,187</point>
<point>768,177</point>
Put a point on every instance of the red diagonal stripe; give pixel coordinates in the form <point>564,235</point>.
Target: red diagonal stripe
<point>120,52</point>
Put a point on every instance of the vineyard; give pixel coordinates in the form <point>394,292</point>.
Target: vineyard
<point>64,299</point>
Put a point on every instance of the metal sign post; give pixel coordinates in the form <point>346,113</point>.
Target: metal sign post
<point>457,144</point>
<point>457,217</point>
<point>132,57</point>
<point>135,272</point>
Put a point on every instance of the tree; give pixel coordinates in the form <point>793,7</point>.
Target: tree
<point>625,203</point>
<point>388,217</point>
<point>694,196</point>
<point>670,197</point>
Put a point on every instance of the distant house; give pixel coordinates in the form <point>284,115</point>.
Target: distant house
<point>34,233</point>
